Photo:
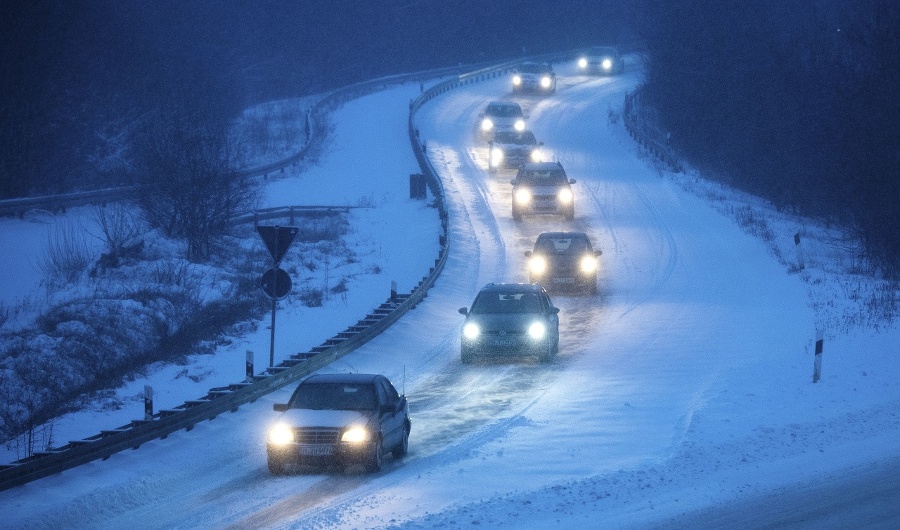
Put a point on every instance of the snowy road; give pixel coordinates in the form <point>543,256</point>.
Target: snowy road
<point>683,385</point>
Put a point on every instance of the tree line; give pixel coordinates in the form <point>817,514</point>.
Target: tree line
<point>792,100</point>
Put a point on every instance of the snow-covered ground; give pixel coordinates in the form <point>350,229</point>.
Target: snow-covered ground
<point>682,395</point>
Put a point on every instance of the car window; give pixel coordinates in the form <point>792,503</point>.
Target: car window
<point>513,137</point>
<point>504,111</point>
<point>493,302</point>
<point>334,396</point>
<point>561,245</point>
<point>389,391</point>
<point>538,177</point>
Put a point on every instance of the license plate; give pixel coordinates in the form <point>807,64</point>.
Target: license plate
<point>316,450</point>
<point>503,343</point>
<point>563,280</point>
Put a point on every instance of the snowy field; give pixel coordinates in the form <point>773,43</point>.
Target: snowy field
<point>682,395</point>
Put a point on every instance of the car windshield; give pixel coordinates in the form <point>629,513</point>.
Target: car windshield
<point>531,68</point>
<point>538,177</point>
<point>504,111</point>
<point>513,137</point>
<point>561,245</point>
<point>334,396</point>
<point>493,302</point>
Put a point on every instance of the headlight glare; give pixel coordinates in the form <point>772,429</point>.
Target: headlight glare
<point>546,81</point>
<point>281,434</point>
<point>537,330</point>
<point>519,125</point>
<point>471,331</point>
<point>496,156</point>
<point>565,196</point>
<point>582,63</point>
<point>536,155</point>
<point>607,64</point>
<point>537,264</point>
<point>355,435</point>
<point>588,264</point>
<point>517,80</point>
<point>487,124</point>
<point>523,196</point>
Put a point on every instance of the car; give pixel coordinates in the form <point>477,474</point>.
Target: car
<point>344,419</point>
<point>501,116</point>
<point>542,188</point>
<point>534,78</point>
<point>510,319</point>
<point>513,148</point>
<point>601,60</point>
<point>564,261</point>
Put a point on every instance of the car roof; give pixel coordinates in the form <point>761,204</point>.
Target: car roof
<point>500,135</point>
<point>512,288</point>
<point>530,66</point>
<point>561,235</point>
<point>611,50</point>
<point>342,378</point>
<point>503,104</point>
<point>541,166</point>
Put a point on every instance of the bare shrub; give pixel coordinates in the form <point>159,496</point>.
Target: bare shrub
<point>119,226</point>
<point>66,256</point>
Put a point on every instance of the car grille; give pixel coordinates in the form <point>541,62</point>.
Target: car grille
<point>316,436</point>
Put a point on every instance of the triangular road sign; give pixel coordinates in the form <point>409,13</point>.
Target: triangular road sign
<point>277,239</point>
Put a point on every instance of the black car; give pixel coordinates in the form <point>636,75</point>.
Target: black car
<point>542,188</point>
<point>534,78</point>
<point>341,419</point>
<point>510,319</point>
<point>564,260</point>
<point>513,148</point>
<point>601,60</point>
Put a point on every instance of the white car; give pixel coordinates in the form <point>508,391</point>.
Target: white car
<point>534,78</point>
<point>513,148</point>
<point>501,116</point>
<point>601,60</point>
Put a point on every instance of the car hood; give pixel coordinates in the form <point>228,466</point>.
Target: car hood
<point>324,418</point>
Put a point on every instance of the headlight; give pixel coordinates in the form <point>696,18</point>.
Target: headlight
<point>523,196</point>
<point>496,156</point>
<point>546,81</point>
<point>607,64</point>
<point>588,264</point>
<point>487,124</point>
<point>565,196</point>
<point>281,434</point>
<point>537,265</point>
<point>355,435</point>
<point>537,330</point>
<point>519,125</point>
<point>582,63</point>
<point>471,331</point>
<point>536,155</point>
<point>517,80</point>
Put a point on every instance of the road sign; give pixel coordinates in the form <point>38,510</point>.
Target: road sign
<point>276,283</point>
<point>277,239</point>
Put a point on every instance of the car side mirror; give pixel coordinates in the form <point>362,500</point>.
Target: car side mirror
<point>554,310</point>
<point>387,407</point>
<point>280,407</point>
<point>541,144</point>
<point>571,181</point>
<point>514,182</point>
<point>598,253</point>
<point>528,253</point>
<point>463,311</point>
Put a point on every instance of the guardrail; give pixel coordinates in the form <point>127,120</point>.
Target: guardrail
<point>646,131</point>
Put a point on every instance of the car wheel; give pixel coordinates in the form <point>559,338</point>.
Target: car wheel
<point>403,447</point>
<point>517,215</point>
<point>547,354</point>
<point>276,466</point>
<point>375,459</point>
<point>570,215</point>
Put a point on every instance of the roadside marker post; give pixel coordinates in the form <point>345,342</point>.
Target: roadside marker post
<point>148,402</point>
<point>801,263</point>
<point>249,366</point>
<point>817,367</point>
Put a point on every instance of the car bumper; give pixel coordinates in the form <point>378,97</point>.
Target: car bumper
<point>320,454</point>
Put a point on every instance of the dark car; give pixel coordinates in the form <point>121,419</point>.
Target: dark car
<point>601,60</point>
<point>341,419</point>
<point>513,148</point>
<point>501,116</point>
<point>510,319</point>
<point>534,78</point>
<point>564,260</point>
<point>542,188</point>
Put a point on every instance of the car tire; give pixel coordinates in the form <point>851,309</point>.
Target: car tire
<point>570,215</point>
<point>403,447</point>
<point>466,356</point>
<point>376,458</point>
<point>517,215</point>
<point>276,466</point>
<point>547,354</point>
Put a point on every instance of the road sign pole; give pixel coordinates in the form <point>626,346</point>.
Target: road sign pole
<point>274,305</point>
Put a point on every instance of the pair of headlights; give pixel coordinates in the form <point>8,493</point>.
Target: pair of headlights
<point>497,156</point>
<point>487,125</point>
<point>523,196</point>
<point>282,433</point>
<point>538,265</point>
<point>536,330</point>
<point>546,81</point>
<point>606,63</point>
